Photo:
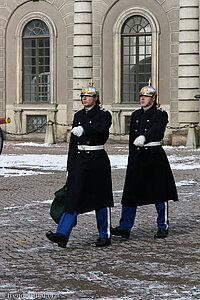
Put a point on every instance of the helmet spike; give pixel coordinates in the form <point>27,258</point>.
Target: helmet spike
<point>149,84</point>
<point>91,83</point>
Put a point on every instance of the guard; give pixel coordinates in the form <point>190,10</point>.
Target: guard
<point>89,185</point>
<point>149,179</point>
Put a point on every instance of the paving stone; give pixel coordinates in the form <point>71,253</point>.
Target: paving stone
<point>138,268</point>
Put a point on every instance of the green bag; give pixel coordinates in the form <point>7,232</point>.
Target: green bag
<point>57,206</point>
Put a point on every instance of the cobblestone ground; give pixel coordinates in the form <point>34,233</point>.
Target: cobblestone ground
<point>138,268</point>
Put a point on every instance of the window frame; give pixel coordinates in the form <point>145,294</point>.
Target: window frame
<point>37,39</point>
<point>53,57</point>
<point>131,41</point>
<point>117,48</point>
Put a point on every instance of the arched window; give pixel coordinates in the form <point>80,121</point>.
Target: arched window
<point>136,51</point>
<point>36,62</point>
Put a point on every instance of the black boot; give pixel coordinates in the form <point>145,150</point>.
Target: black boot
<point>102,242</point>
<point>58,238</point>
<point>120,232</point>
<point>63,242</point>
<point>161,234</point>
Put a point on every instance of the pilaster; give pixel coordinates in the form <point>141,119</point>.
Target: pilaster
<point>188,73</point>
<point>82,55</point>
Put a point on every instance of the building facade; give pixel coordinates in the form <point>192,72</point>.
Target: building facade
<point>50,49</point>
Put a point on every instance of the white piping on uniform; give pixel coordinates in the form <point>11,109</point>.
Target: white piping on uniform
<point>166,215</point>
<point>108,222</point>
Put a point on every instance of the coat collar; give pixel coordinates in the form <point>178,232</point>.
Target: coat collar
<point>149,111</point>
<point>91,112</point>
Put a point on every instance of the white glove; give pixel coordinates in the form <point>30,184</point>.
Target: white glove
<point>139,141</point>
<point>78,131</point>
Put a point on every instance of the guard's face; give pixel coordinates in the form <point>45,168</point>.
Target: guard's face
<point>146,101</point>
<point>88,101</point>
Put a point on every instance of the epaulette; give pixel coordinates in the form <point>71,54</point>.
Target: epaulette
<point>160,108</point>
<point>136,109</point>
<point>104,109</point>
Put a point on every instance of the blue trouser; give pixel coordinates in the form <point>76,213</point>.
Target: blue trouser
<point>103,217</point>
<point>129,213</point>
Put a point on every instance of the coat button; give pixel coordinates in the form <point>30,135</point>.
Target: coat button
<point>90,122</point>
<point>146,148</point>
<point>79,152</point>
<point>88,142</point>
<point>147,120</point>
<point>145,129</point>
<point>137,121</point>
<point>135,130</point>
<point>138,148</point>
<point>88,152</point>
<point>79,122</point>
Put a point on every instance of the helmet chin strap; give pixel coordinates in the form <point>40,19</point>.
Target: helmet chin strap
<point>149,104</point>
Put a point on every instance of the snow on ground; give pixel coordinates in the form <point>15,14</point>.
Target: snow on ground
<point>34,164</point>
<point>31,144</point>
<point>186,182</point>
<point>34,203</point>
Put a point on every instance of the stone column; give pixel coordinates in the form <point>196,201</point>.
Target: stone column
<point>188,77</point>
<point>116,121</point>
<point>18,120</point>
<point>82,58</point>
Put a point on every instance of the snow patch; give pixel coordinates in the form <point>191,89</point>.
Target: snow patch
<point>35,164</point>
<point>186,182</point>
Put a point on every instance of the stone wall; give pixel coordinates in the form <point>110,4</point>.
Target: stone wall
<point>83,56</point>
<point>61,12</point>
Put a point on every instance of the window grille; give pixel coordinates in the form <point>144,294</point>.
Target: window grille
<point>35,123</point>
<point>136,37</point>
<point>36,62</point>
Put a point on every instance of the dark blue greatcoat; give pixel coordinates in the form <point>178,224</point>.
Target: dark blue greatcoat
<point>89,185</point>
<point>149,178</point>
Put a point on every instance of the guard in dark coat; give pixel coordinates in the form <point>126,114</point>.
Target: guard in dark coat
<point>89,185</point>
<point>149,179</point>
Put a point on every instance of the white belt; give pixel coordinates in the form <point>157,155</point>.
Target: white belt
<point>90,148</point>
<point>152,144</point>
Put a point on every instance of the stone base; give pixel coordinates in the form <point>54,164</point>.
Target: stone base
<point>179,137</point>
